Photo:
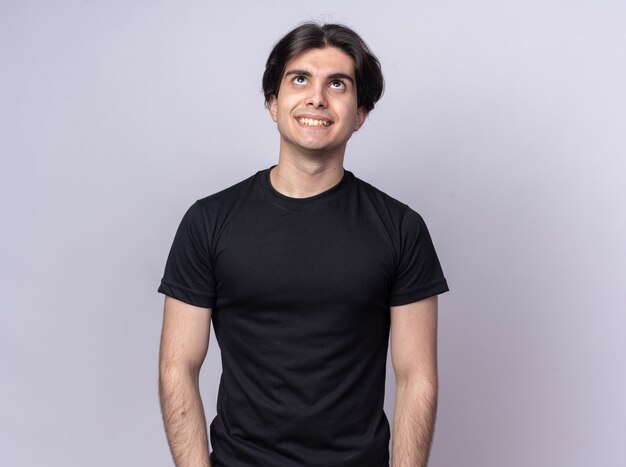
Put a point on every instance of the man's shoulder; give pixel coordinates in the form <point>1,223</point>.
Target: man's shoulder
<point>231,195</point>
<point>380,197</point>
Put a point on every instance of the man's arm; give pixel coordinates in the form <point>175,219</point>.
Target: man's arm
<point>184,343</point>
<point>414,357</point>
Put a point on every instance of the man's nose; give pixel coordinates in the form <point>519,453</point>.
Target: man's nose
<point>317,97</point>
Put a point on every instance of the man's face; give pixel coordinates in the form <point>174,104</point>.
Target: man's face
<point>316,108</point>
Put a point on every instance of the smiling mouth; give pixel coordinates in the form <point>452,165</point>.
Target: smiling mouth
<point>313,122</point>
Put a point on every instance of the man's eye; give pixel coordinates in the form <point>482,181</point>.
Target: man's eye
<point>299,80</point>
<point>337,84</point>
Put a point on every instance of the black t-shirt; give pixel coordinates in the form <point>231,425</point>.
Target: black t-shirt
<point>300,291</point>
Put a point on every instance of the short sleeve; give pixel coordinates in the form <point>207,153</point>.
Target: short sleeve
<point>188,271</point>
<point>419,274</point>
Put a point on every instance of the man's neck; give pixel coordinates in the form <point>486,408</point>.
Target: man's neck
<point>303,178</point>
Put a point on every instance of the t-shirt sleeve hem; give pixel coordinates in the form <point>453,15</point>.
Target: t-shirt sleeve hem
<point>435,288</point>
<point>184,294</point>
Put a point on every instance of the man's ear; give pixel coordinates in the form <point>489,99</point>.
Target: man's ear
<point>361,115</point>
<point>272,105</point>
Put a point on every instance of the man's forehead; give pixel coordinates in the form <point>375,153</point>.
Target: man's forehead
<point>329,60</point>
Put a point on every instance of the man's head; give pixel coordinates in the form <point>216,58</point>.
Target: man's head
<point>367,71</point>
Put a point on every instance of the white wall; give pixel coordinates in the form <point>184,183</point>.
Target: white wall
<point>503,123</point>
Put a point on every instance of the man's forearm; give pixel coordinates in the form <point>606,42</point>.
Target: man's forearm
<point>183,416</point>
<point>413,423</point>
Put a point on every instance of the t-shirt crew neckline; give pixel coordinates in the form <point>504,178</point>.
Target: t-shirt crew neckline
<point>285,201</point>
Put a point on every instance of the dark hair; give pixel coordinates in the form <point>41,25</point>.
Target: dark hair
<point>368,74</point>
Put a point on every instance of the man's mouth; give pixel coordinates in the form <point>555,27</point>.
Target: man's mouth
<point>312,122</point>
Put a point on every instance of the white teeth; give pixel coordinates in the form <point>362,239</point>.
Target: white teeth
<point>313,122</point>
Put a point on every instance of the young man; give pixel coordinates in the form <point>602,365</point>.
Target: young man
<point>304,271</point>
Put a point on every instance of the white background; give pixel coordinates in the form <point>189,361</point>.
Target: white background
<point>503,124</point>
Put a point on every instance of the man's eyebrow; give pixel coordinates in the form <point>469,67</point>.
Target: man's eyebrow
<point>342,76</point>
<point>331,76</point>
<point>298,72</point>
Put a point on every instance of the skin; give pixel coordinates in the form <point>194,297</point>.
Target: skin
<point>413,345</point>
<point>184,344</point>
<point>318,84</point>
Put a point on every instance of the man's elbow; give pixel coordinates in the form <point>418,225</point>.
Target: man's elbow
<point>424,383</point>
<point>172,374</point>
